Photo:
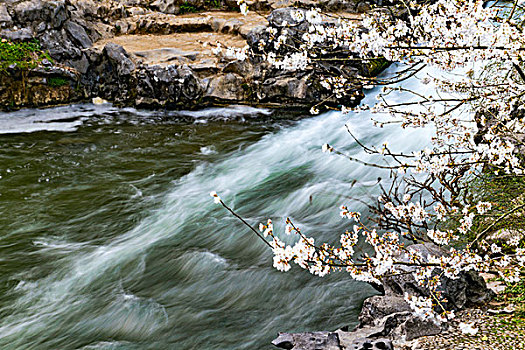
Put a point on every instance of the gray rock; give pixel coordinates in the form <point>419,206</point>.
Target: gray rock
<point>58,13</point>
<point>120,58</point>
<point>414,327</point>
<point>55,71</point>
<point>284,341</point>
<point>81,65</point>
<point>308,341</point>
<point>232,26</point>
<point>41,27</point>
<point>364,338</point>
<point>359,339</point>
<point>377,307</point>
<point>60,47</point>
<point>5,18</point>
<point>216,24</point>
<point>29,11</point>
<point>283,17</point>
<point>24,34</point>
<point>78,34</point>
<point>166,6</point>
<point>255,35</point>
<point>226,87</point>
<point>369,344</point>
<point>242,68</point>
<point>53,12</point>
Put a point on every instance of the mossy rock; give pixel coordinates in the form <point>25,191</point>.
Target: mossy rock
<point>374,67</point>
<point>16,56</point>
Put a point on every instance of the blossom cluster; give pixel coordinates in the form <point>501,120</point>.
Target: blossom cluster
<point>478,122</point>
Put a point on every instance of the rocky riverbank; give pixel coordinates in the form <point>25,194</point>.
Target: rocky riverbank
<point>387,321</point>
<point>146,54</point>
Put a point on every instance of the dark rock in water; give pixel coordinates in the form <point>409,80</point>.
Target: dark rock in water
<point>308,341</point>
<point>360,339</point>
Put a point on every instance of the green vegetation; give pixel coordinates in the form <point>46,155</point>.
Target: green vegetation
<point>506,193</point>
<point>515,294</point>
<point>187,8</point>
<point>21,55</point>
<point>57,81</point>
<point>213,3</point>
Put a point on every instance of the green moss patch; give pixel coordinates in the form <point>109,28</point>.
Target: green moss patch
<point>21,55</point>
<point>57,81</point>
<point>188,8</point>
<point>504,192</point>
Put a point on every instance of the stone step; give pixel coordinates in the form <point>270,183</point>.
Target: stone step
<point>219,22</point>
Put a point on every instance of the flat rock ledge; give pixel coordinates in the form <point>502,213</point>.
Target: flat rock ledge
<point>386,321</point>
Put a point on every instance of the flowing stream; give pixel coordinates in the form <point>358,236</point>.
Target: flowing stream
<point>109,238</point>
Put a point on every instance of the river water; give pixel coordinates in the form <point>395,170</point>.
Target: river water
<point>109,238</point>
